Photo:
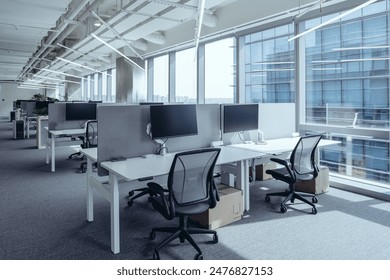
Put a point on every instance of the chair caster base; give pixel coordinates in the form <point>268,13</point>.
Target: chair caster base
<point>156,256</point>
<point>198,257</point>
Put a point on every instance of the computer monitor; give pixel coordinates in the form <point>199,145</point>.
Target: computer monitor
<point>80,111</point>
<point>173,120</point>
<point>42,105</point>
<point>240,117</point>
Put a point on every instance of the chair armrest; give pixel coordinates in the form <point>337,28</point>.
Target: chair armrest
<point>155,189</point>
<point>156,193</point>
<point>214,196</point>
<point>283,162</point>
<point>286,164</point>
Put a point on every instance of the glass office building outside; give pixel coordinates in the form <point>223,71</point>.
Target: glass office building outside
<point>347,85</point>
<point>344,69</point>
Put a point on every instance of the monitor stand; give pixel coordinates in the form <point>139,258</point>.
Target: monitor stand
<point>163,150</point>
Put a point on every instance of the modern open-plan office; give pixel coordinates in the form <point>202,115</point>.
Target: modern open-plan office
<point>102,100</point>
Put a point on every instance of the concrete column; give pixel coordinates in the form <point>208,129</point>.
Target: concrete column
<point>130,81</point>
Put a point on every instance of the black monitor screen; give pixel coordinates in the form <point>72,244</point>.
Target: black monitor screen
<point>173,120</point>
<point>240,117</point>
<point>80,111</point>
<point>42,105</point>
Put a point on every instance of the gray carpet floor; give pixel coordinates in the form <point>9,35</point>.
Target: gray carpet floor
<point>43,217</point>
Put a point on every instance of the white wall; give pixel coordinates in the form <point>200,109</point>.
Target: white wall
<point>10,92</point>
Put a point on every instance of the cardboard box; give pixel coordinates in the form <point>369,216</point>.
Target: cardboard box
<point>229,209</point>
<point>261,169</point>
<point>316,186</point>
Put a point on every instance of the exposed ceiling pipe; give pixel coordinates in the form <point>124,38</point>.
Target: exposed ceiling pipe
<point>71,28</point>
<point>69,15</point>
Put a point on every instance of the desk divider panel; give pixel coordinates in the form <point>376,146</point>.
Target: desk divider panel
<point>208,130</point>
<point>57,118</point>
<point>28,107</point>
<point>122,132</point>
<point>277,120</point>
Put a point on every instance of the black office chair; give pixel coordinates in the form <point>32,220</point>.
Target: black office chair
<point>82,145</point>
<point>191,191</point>
<point>91,140</point>
<point>301,167</point>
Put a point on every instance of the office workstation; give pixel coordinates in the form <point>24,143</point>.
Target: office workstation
<point>244,87</point>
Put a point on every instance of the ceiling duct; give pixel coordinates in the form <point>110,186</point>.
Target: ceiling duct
<point>210,20</point>
<point>140,45</point>
<point>156,38</point>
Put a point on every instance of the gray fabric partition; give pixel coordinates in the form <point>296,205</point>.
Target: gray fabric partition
<point>122,132</point>
<point>208,116</point>
<point>57,118</point>
<point>28,107</point>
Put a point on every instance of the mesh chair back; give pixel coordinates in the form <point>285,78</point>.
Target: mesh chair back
<point>91,136</point>
<point>302,158</point>
<point>191,175</point>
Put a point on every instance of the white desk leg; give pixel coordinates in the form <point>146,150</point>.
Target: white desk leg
<point>115,229</point>
<point>28,128</point>
<point>47,151</point>
<point>243,181</point>
<point>246,184</point>
<point>89,192</point>
<point>53,153</point>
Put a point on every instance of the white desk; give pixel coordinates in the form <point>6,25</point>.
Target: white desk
<point>51,143</point>
<point>135,168</point>
<point>27,124</point>
<point>278,146</point>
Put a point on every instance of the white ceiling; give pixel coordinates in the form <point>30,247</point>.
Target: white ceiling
<point>33,33</point>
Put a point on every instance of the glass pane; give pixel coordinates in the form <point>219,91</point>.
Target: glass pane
<point>161,79</point>
<point>347,85</point>
<point>269,69</point>
<point>219,71</point>
<point>186,76</point>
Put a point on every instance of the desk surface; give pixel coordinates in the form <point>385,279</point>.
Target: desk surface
<point>155,165</point>
<point>73,131</point>
<point>281,145</point>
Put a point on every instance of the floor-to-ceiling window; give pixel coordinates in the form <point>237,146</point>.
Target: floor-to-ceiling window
<point>269,66</point>
<point>100,86</point>
<point>347,90</point>
<point>186,76</point>
<point>160,79</point>
<point>220,71</point>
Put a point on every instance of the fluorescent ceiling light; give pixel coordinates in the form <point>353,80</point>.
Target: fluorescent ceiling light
<point>117,35</point>
<point>62,73</point>
<point>35,87</point>
<point>44,77</point>
<point>118,52</point>
<point>83,54</point>
<point>332,19</point>
<point>199,23</point>
<point>78,64</point>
